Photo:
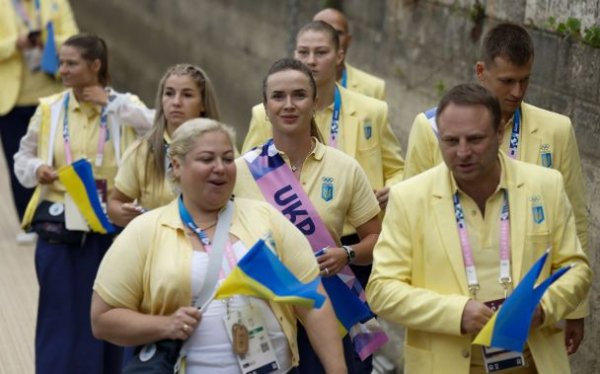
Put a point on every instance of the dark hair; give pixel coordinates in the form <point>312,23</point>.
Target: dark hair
<point>92,48</point>
<point>471,94</point>
<point>155,136</point>
<point>509,41</point>
<point>324,27</point>
<point>292,64</point>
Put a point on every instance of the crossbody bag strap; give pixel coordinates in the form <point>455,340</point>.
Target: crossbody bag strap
<point>215,257</point>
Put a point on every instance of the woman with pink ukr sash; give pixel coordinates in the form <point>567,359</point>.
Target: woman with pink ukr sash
<point>317,188</point>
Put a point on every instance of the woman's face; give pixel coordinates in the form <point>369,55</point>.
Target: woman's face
<point>290,104</point>
<point>207,173</point>
<point>181,100</point>
<point>75,71</point>
<point>317,51</point>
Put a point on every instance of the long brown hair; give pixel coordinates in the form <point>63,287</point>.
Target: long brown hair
<point>156,157</point>
<point>292,64</point>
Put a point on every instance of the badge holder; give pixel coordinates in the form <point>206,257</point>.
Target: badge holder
<point>497,359</point>
<point>250,341</point>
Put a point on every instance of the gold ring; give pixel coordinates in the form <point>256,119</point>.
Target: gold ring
<point>326,271</point>
<point>185,327</point>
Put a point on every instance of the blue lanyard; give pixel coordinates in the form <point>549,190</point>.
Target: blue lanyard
<point>513,147</point>
<point>189,221</point>
<point>335,118</point>
<point>344,80</point>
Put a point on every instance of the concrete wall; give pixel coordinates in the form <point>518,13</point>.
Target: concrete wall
<point>420,47</point>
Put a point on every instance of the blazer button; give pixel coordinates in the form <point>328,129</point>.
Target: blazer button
<point>466,353</point>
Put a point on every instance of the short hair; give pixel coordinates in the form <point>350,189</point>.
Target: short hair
<point>471,94</point>
<point>507,40</point>
<point>154,137</point>
<point>92,48</point>
<point>324,27</point>
<point>184,138</point>
<point>285,64</point>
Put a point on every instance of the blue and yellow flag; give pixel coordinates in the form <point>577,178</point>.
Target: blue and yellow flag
<point>260,273</point>
<point>50,55</point>
<point>509,326</point>
<point>78,179</point>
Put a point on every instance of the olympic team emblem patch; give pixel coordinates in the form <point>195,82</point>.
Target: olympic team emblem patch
<point>327,189</point>
<point>537,210</point>
<point>546,155</point>
<point>368,130</point>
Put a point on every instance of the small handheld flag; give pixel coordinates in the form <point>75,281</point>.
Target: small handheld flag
<point>78,179</point>
<point>260,273</point>
<point>509,326</point>
<point>50,55</point>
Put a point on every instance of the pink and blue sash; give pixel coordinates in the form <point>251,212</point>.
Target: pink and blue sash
<point>281,189</point>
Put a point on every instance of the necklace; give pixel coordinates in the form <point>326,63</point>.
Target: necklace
<point>204,228</point>
<point>295,167</point>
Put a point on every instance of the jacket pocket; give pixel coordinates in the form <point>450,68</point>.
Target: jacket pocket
<point>416,360</point>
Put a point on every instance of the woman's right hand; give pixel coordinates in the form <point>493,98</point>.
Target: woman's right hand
<point>46,174</point>
<point>182,323</point>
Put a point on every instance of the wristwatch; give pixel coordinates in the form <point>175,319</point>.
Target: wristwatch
<point>350,253</point>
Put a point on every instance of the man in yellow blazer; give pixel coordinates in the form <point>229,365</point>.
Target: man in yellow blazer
<point>545,138</point>
<point>22,37</point>
<point>419,277</point>
<point>349,76</point>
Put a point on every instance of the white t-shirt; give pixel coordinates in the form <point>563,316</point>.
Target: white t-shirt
<point>209,348</point>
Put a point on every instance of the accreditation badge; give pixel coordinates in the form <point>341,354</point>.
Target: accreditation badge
<point>497,359</point>
<point>259,355</point>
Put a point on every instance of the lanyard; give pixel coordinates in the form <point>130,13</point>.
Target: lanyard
<point>20,9</point>
<point>189,221</point>
<point>102,136</point>
<point>335,118</point>
<point>513,147</point>
<point>344,80</point>
<point>467,250</point>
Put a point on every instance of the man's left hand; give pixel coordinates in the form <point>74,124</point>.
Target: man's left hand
<point>538,317</point>
<point>573,334</point>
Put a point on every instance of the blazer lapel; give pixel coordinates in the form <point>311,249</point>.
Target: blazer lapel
<point>517,198</point>
<point>531,147</point>
<point>350,125</point>
<point>446,227</point>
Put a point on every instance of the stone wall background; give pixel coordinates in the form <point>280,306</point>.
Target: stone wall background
<point>421,48</point>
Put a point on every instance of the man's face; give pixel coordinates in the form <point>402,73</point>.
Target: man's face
<point>469,142</point>
<point>507,81</point>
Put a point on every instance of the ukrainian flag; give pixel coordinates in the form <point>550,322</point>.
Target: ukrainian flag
<point>509,326</point>
<point>78,179</point>
<point>260,273</point>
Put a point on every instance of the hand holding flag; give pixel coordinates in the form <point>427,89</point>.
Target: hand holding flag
<point>509,326</point>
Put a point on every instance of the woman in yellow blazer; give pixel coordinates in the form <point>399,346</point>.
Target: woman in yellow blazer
<point>23,35</point>
<point>81,122</point>
<point>364,128</point>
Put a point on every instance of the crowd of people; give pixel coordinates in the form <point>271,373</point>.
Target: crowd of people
<point>489,184</point>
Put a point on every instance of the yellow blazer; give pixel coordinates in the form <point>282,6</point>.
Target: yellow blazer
<point>542,131</point>
<point>364,83</point>
<point>11,63</point>
<point>365,135</point>
<point>418,278</point>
